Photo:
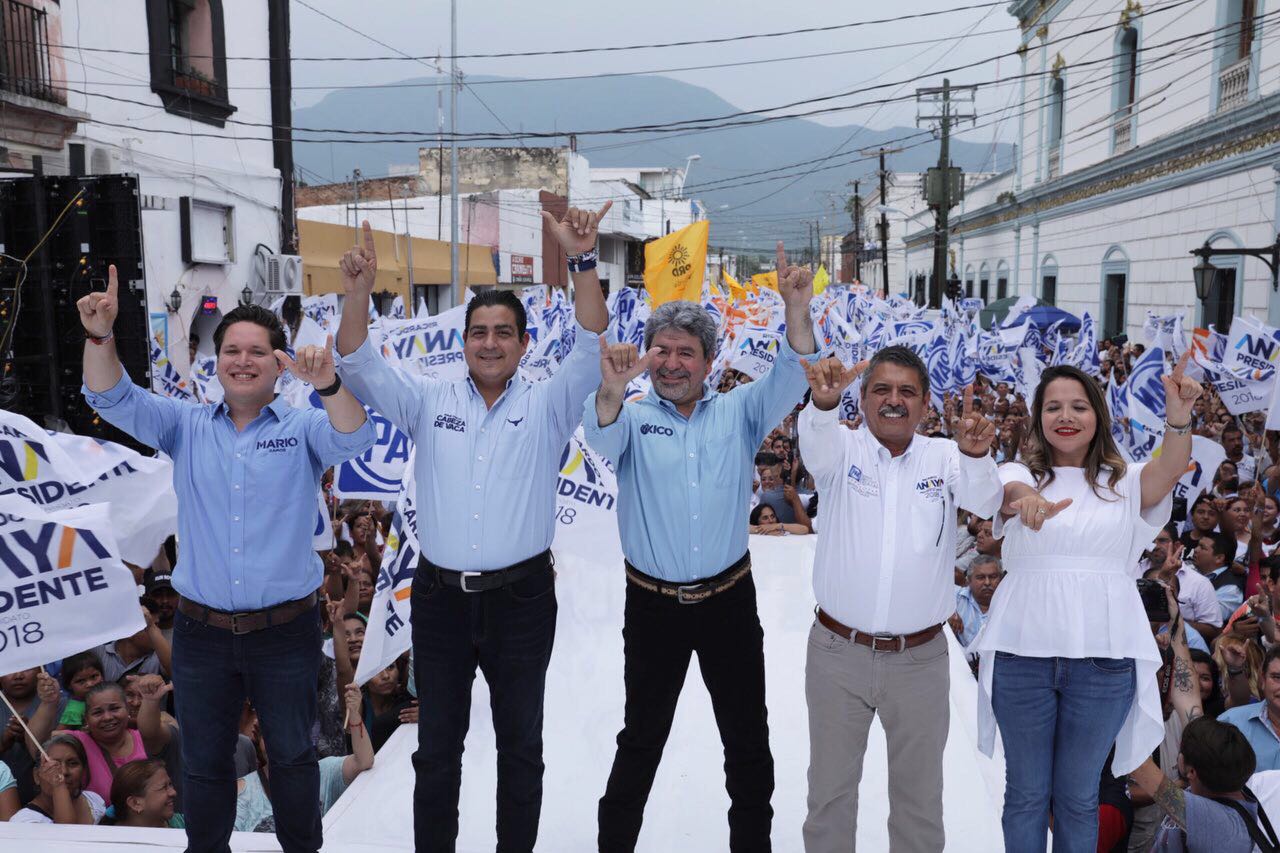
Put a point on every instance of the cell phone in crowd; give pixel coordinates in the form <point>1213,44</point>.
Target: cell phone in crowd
<point>1179,510</point>
<point>1154,600</point>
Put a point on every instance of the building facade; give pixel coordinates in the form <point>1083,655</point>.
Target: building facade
<point>1141,136</point>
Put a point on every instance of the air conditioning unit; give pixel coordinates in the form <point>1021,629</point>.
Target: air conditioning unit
<point>284,274</point>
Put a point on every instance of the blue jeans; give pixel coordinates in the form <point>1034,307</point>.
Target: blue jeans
<point>277,669</point>
<point>508,633</point>
<point>1058,719</point>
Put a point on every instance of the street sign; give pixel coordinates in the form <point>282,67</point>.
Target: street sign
<point>522,269</point>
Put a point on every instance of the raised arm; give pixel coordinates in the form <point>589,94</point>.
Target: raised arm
<point>155,734</point>
<point>361,757</point>
<point>314,365</point>
<point>1161,474</point>
<point>359,268</point>
<point>795,283</point>
<point>161,644</point>
<point>576,233</point>
<point>822,436</point>
<point>619,364</point>
<point>42,722</point>
<point>102,370</point>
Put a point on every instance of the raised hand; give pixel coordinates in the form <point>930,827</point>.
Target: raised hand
<point>1180,393</point>
<point>409,713</point>
<point>576,232</point>
<point>620,363</point>
<point>311,364</point>
<point>50,775</point>
<point>47,688</point>
<point>794,283</point>
<point>351,700</point>
<point>828,378</point>
<point>98,310</point>
<point>1034,510</point>
<point>152,688</point>
<point>360,265</point>
<point>973,432</point>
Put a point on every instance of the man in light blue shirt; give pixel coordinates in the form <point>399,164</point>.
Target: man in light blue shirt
<point>488,456</point>
<point>247,474</point>
<point>1260,721</point>
<point>974,599</point>
<point>684,459</point>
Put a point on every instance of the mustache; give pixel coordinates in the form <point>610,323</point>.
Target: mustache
<point>889,409</point>
<point>672,374</point>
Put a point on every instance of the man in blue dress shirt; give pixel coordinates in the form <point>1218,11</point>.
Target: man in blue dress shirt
<point>683,456</point>
<point>246,472</point>
<point>488,457</point>
<point>1260,721</point>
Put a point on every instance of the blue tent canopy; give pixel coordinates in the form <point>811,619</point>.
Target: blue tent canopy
<point>1044,316</point>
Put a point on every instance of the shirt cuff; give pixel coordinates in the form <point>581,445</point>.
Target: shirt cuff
<point>362,356</point>
<point>110,397</point>
<point>591,421</point>
<point>818,417</point>
<point>358,441</point>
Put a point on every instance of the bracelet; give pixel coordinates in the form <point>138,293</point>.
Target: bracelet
<point>1178,430</point>
<point>332,389</point>
<point>359,724</point>
<point>1235,670</point>
<point>99,341</point>
<point>583,262</point>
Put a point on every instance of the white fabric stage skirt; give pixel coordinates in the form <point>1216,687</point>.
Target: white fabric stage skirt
<point>687,810</point>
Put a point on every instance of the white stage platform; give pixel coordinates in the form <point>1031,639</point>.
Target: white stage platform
<point>583,714</point>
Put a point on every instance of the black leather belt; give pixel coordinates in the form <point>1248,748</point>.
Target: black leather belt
<point>487,581</point>
<point>694,591</point>
<point>246,622</point>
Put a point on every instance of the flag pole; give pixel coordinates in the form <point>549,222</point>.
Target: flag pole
<point>25,728</point>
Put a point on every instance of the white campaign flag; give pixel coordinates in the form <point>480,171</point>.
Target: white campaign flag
<point>58,471</point>
<point>1246,380</point>
<point>387,635</point>
<point>1206,456</point>
<point>63,587</point>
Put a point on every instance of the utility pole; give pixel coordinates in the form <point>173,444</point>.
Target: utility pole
<point>884,217</point>
<point>453,148</point>
<point>857,233</point>
<point>944,184</point>
<point>355,199</point>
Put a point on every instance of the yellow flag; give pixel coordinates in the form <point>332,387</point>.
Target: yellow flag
<point>766,279</point>
<point>820,280</point>
<point>675,265</point>
<point>736,291</point>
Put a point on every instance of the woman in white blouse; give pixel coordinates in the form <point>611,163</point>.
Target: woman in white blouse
<point>1068,662</point>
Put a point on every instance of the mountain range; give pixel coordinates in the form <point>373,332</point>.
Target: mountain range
<point>727,172</point>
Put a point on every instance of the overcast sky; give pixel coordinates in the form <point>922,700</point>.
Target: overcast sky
<point>422,27</point>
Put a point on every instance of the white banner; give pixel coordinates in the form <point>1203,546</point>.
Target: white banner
<point>427,346</point>
<point>1247,376</point>
<point>1206,456</point>
<point>387,635</point>
<point>63,588</point>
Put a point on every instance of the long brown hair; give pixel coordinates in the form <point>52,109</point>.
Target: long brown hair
<point>131,780</point>
<point>1102,452</point>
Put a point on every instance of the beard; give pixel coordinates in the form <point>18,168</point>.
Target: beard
<point>674,389</point>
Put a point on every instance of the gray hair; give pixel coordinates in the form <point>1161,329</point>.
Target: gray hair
<point>982,560</point>
<point>903,357</point>
<point>688,317</point>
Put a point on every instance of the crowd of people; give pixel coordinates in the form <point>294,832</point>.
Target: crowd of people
<point>1015,521</point>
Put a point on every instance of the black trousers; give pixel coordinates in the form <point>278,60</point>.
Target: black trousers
<point>508,633</point>
<point>659,635</point>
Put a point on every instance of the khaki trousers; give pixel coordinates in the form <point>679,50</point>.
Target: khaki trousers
<point>846,685</point>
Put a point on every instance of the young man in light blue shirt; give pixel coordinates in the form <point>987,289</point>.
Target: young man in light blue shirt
<point>246,472</point>
<point>488,457</point>
<point>684,461</point>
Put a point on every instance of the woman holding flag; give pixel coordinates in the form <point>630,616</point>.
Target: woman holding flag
<point>1068,663</point>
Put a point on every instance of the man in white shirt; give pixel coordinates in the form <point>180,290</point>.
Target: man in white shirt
<point>882,576</point>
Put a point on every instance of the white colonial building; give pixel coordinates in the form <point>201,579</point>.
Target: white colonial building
<point>1143,132</point>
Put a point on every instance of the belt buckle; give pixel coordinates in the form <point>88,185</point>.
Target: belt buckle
<point>462,581</point>
<point>901,640</point>
<point>689,589</point>
<point>235,624</point>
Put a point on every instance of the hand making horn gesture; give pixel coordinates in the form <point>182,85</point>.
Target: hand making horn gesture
<point>973,432</point>
<point>794,283</point>
<point>98,310</point>
<point>619,364</point>
<point>360,265</point>
<point>1180,393</point>
<point>828,378</point>
<point>576,232</point>
<point>311,364</point>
